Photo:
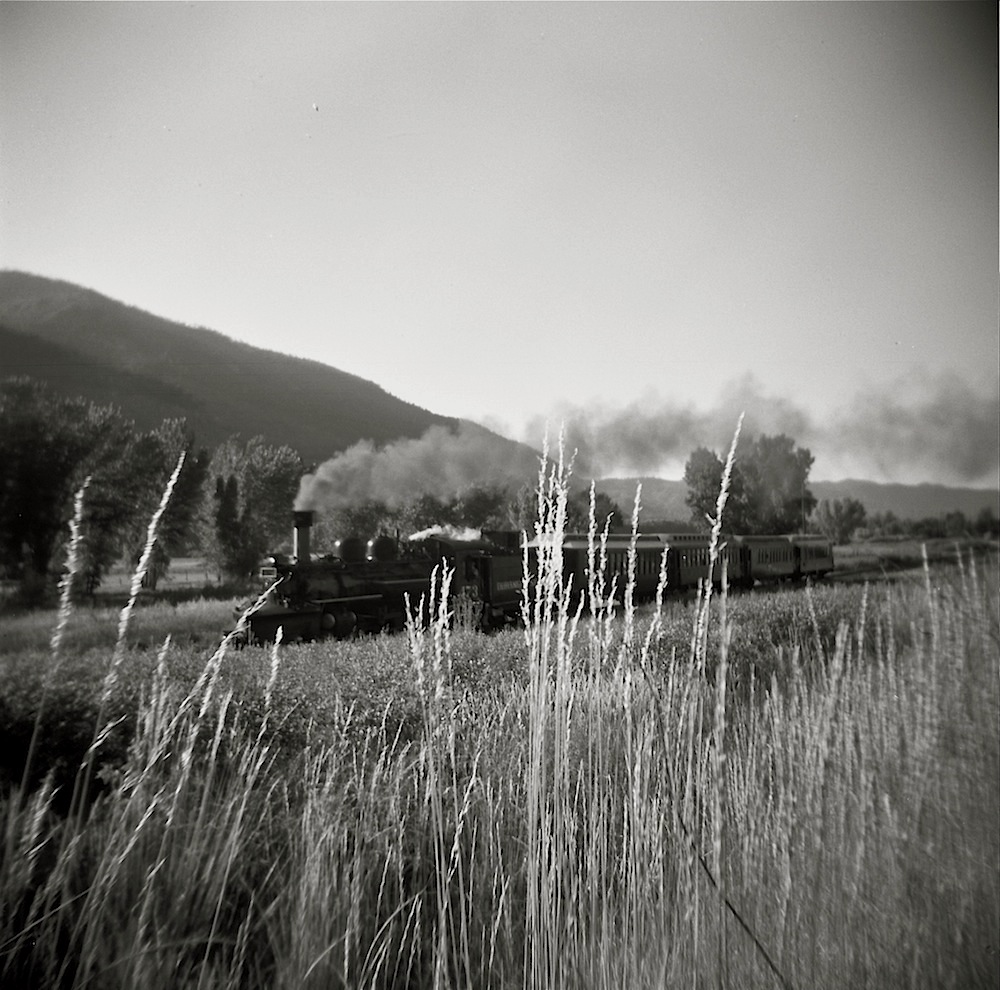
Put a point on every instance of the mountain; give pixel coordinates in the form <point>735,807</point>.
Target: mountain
<point>662,499</point>
<point>910,501</point>
<point>83,343</point>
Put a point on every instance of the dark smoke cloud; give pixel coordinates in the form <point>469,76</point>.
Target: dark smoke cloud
<point>440,463</point>
<point>919,429</point>
<point>946,430</point>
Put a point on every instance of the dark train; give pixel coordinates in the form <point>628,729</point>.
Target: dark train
<point>364,587</point>
<point>748,560</point>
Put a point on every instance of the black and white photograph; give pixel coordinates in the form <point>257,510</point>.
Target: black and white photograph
<point>499,494</point>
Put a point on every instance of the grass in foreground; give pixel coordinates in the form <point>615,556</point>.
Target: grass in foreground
<point>768,797</point>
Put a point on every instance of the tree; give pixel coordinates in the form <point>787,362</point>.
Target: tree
<point>883,524</point>
<point>986,523</point>
<point>119,511</point>
<point>255,487</point>
<point>179,522</point>
<point>928,528</point>
<point>767,491</point>
<point>522,512</point>
<point>774,473</point>
<point>956,525</point>
<point>703,476</point>
<point>423,512</point>
<point>364,520</point>
<point>236,551</point>
<point>522,509</point>
<point>48,445</point>
<point>607,510</point>
<point>482,506</point>
<point>121,497</point>
<point>838,519</point>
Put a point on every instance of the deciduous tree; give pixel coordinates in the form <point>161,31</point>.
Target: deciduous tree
<point>703,476</point>
<point>839,519</point>
<point>48,445</point>
<point>255,487</point>
<point>767,492</point>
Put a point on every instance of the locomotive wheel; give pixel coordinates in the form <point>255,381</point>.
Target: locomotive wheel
<point>340,623</point>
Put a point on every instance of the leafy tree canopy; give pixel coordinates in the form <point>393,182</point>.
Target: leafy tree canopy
<point>48,445</point>
<point>767,492</point>
<point>255,485</point>
<point>838,519</point>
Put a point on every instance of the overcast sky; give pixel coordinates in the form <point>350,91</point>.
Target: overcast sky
<point>634,218</point>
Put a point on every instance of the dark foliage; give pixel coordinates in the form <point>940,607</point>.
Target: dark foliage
<point>767,491</point>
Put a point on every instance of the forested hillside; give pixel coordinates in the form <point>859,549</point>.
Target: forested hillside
<point>82,343</point>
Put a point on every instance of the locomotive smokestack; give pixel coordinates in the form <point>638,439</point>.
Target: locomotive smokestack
<point>300,535</point>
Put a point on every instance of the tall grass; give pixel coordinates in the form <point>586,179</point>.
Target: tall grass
<point>634,809</point>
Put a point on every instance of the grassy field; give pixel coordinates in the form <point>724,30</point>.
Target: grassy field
<point>792,789</point>
<point>889,559</point>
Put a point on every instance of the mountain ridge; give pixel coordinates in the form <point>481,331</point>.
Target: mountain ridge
<point>72,338</point>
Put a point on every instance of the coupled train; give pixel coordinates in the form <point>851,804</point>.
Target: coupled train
<point>364,587</point>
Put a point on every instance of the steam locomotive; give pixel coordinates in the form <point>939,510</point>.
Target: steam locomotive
<point>365,586</point>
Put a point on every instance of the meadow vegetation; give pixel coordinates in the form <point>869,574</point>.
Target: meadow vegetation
<point>796,789</point>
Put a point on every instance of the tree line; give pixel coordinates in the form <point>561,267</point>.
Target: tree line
<point>231,506</point>
<point>225,507</point>
<point>769,493</point>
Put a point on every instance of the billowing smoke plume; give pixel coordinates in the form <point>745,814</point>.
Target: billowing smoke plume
<point>946,431</point>
<point>920,429</point>
<point>440,463</point>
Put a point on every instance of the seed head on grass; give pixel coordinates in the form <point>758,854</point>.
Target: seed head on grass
<point>143,566</point>
<point>72,566</point>
<point>65,611</point>
<point>701,637</point>
<point>103,729</point>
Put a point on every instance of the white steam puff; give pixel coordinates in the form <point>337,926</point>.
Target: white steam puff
<point>440,463</point>
<point>921,429</point>
<point>449,532</point>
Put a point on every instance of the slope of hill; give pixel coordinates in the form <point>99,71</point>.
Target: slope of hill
<point>83,343</point>
<point>661,499</point>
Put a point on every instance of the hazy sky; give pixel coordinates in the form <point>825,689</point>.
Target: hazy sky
<point>638,218</point>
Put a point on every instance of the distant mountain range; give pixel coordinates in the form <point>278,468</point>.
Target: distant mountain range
<point>663,499</point>
<point>83,343</point>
